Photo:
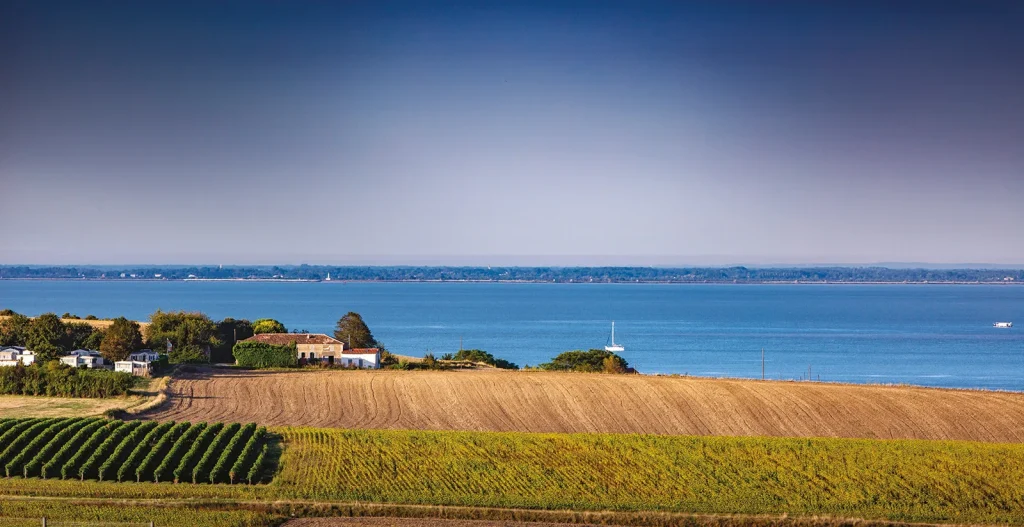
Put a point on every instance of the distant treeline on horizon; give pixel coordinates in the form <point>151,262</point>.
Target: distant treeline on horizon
<point>520,274</point>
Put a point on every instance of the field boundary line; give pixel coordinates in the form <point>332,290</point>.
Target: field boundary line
<point>332,509</point>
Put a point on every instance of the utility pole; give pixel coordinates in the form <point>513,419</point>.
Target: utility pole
<point>809,373</point>
<point>762,364</point>
<point>460,343</point>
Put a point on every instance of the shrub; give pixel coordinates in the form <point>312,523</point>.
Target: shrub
<point>254,354</point>
<point>587,361</point>
<point>484,357</point>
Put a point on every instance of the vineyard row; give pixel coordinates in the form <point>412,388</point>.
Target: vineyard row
<point>112,450</point>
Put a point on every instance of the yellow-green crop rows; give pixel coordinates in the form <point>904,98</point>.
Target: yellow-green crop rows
<point>906,480</point>
<point>899,480</point>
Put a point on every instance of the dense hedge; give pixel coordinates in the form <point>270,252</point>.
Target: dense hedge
<point>60,380</point>
<point>262,355</point>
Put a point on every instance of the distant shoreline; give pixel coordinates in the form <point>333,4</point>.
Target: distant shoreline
<point>472,281</point>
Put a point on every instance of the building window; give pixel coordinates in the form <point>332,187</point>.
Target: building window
<point>302,355</point>
<point>312,355</point>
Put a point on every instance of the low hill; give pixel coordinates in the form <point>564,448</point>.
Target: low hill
<point>489,400</point>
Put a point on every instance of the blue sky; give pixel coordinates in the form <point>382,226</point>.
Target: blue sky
<point>511,133</point>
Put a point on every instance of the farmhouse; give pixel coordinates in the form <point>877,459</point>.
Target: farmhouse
<point>12,355</point>
<point>87,358</point>
<point>317,347</point>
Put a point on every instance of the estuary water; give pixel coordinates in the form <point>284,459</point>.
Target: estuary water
<point>932,335</point>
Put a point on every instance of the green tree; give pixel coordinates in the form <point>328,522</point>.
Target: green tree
<point>47,337</point>
<point>192,335</point>
<point>188,354</point>
<point>230,332</point>
<point>475,355</point>
<point>78,334</point>
<point>267,325</point>
<point>14,329</point>
<point>122,338</point>
<point>353,331</point>
<point>94,341</point>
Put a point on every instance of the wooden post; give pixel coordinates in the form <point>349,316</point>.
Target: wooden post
<point>44,521</point>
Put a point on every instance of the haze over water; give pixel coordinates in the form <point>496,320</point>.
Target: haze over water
<point>919,334</point>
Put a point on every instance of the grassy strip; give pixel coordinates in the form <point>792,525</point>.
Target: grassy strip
<point>298,509</point>
<point>29,512</point>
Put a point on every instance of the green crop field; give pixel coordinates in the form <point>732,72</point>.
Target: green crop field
<point>111,450</point>
<point>903,480</point>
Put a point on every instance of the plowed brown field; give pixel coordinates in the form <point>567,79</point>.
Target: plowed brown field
<point>569,402</point>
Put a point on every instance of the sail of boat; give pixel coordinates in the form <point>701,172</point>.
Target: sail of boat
<point>613,346</point>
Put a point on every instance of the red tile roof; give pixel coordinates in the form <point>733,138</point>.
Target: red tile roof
<point>283,339</point>
<point>361,351</point>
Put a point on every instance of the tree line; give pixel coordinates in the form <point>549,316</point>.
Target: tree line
<point>187,337</point>
<point>192,337</point>
<point>525,274</point>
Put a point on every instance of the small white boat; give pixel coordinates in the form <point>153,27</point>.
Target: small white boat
<point>613,346</point>
<point>1003,325</point>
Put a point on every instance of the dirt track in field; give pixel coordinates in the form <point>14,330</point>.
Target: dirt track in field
<point>420,522</point>
<point>572,402</point>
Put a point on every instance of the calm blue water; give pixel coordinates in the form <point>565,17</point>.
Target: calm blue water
<point>914,334</point>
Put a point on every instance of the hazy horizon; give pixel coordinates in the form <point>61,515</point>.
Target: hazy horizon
<point>536,261</point>
<point>545,133</point>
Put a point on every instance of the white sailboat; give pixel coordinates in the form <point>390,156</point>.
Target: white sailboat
<point>614,346</point>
